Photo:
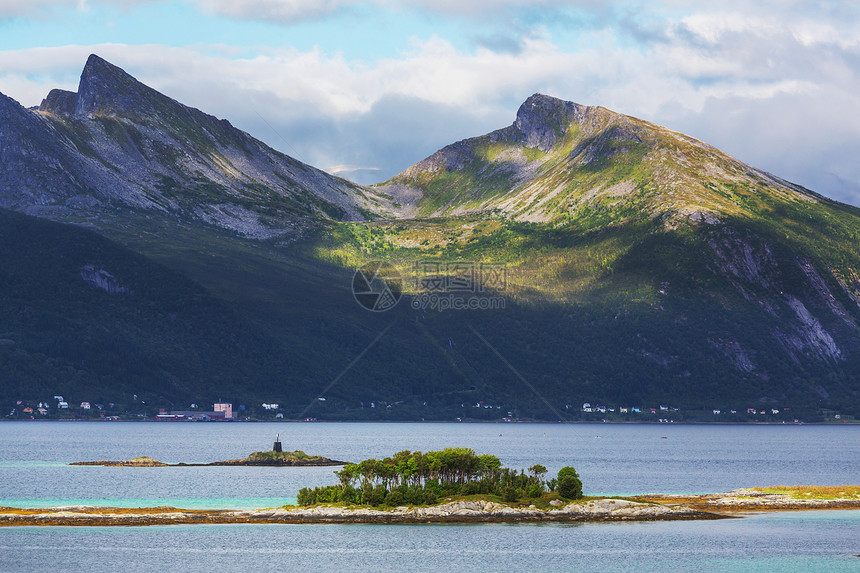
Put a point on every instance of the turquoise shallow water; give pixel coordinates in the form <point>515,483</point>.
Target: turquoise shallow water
<point>823,541</point>
<point>184,503</point>
<point>612,459</point>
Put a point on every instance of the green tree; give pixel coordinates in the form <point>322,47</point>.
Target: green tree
<point>348,475</point>
<point>567,471</point>
<point>369,470</point>
<point>569,484</point>
<point>538,471</point>
<point>394,498</point>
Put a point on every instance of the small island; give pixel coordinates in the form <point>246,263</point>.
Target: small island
<point>270,458</point>
<point>454,485</point>
<point>732,504</point>
<point>274,457</point>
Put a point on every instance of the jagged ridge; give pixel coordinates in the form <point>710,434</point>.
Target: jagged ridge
<point>118,142</point>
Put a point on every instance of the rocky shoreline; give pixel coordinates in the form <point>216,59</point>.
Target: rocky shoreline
<point>743,500</point>
<point>653,507</point>
<point>271,462</point>
<point>454,512</point>
<point>142,462</point>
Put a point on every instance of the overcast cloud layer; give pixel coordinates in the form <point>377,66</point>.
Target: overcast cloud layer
<point>386,83</point>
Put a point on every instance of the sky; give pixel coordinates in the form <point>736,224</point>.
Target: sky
<point>367,88</point>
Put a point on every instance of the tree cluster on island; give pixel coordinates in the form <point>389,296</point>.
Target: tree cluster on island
<point>416,478</point>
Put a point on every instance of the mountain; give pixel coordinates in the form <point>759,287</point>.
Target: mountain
<point>561,162</point>
<point>638,266</point>
<point>590,207</point>
<point>119,146</point>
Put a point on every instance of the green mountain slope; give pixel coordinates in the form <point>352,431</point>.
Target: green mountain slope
<point>724,316</point>
<point>562,162</point>
<point>739,283</point>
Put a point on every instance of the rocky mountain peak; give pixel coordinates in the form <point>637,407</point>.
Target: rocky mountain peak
<point>59,102</point>
<point>7,104</point>
<point>117,141</point>
<point>543,120</point>
<point>107,89</point>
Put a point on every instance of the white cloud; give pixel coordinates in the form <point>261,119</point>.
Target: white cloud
<point>274,10</point>
<point>290,11</point>
<point>40,9</point>
<point>338,169</point>
<point>10,8</point>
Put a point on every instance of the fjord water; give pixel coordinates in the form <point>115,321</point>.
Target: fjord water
<point>612,459</point>
<point>802,541</point>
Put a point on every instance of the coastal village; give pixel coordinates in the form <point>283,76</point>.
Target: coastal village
<point>60,408</point>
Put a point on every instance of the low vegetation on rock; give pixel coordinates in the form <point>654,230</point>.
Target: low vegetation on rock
<point>273,455</point>
<point>273,458</point>
<point>814,491</point>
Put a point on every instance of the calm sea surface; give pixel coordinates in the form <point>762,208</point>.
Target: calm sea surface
<point>612,460</point>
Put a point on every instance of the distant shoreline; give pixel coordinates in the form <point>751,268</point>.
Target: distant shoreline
<point>499,423</point>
